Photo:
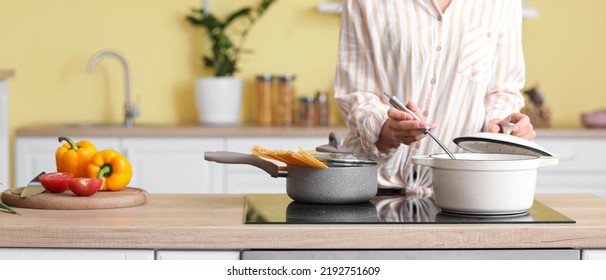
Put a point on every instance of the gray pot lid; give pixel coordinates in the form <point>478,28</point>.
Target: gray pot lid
<point>338,155</point>
<point>486,142</point>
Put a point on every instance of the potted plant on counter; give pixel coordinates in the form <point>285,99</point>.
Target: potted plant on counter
<point>219,97</point>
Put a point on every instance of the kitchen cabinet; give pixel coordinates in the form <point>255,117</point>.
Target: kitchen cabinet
<point>530,254</point>
<point>74,254</point>
<point>163,156</point>
<point>593,254</point>
<point>4,130</point>
<point>581,167</point>
<point>171,164</point>
<point>197,255</point>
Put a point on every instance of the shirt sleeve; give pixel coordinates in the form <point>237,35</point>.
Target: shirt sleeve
<point>355,88</point>
<point>503,95</point>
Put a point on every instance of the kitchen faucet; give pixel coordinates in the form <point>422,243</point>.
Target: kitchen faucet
<point>131,111</point>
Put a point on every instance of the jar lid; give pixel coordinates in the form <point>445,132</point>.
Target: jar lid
<point>264,77</point>
<point>486,142</point>
<point>286,77</point>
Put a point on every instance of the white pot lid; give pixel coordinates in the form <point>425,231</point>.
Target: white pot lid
<point>486,142</point>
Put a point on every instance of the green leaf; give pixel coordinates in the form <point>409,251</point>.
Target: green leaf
<point>224,55</point>
<point>7,208</point>
<point>230,18</point>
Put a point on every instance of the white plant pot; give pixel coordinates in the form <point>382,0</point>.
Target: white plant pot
<point>219,100</point>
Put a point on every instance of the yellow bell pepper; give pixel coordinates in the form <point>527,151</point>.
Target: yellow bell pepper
<point>74,157</point>
<point>112,167</point>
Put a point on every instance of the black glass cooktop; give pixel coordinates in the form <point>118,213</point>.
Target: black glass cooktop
<point>391,209</point>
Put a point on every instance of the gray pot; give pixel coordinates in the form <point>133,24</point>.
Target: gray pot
<point>332,185</point>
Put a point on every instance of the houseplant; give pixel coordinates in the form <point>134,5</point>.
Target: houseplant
<point>219,97</point>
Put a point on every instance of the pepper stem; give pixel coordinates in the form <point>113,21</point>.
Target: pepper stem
<point>105,171</point>
<point>72,144</point>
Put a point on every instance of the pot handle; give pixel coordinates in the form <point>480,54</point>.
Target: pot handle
<point>548,161</point>
<point>241,158</point>
<point>422,160</point>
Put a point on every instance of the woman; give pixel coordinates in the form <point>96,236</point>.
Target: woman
<point>458,64</point>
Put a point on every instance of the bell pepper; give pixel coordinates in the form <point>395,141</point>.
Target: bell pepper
<point>74,157</point>
<point>112,167</point>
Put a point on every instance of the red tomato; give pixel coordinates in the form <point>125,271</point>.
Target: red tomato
<point>56,182</point>
<point>85,186</point>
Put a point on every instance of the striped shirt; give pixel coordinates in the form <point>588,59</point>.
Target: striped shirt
<point>463,68</point>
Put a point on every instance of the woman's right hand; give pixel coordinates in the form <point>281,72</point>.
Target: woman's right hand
<point>401,128</point>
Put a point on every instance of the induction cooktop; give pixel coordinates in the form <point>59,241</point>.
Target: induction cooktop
<point>388,209</point>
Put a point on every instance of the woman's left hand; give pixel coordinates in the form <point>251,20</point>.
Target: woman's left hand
<point>522,126</point>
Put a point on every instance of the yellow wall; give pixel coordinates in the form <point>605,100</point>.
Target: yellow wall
<point>48,43</point>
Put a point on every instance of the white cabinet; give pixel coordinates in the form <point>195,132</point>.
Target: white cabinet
<point>174,165</point>
<point>74,254</point>
<point>160,165</point>
<point>171,164</point>
<point>581,167</point>
<point>197,255</point>
<point>4,143</point>
<point>36,154</point>
<point>593,254</point>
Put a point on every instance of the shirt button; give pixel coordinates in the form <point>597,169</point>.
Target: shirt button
<point>425,113</point>
<point>433,81</point>
<point>439,48</point>
<point>440,18</point>
<point>489,34</point>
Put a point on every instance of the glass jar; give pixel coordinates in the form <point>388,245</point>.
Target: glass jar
<point>264,99</point>
<point>285,100</point>
<point>307,111</point>
<point>321,103</point>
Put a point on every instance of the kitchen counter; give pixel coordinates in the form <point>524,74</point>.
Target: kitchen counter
<point>176,131</point>
<point>239,131</point>
<point>204,221</point>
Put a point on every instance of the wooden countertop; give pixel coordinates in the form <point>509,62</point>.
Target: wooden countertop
<point>216,222</point>
<point>5,74</point>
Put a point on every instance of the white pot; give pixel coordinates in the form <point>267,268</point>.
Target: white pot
<point>480,183</point>
<point>219,100</point>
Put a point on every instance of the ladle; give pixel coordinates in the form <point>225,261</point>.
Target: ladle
<point>399,105</point>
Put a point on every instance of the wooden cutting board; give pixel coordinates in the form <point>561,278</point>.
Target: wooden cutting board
<point>126,197</point>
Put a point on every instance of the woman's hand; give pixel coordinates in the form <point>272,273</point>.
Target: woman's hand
<point>522,126</point>
<point>401,128</point>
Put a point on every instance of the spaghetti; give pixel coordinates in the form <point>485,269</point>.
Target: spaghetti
<point>301,158</point>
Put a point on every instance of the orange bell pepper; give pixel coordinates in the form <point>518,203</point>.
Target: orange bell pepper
<point>112,167</point>
<point>74,157</point>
